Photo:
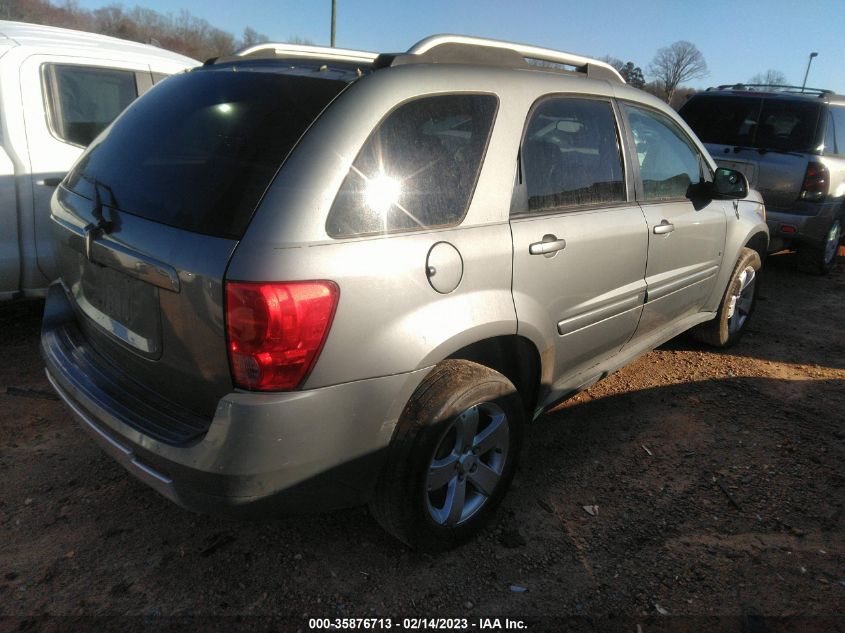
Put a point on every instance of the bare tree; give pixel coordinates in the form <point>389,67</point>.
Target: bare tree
<point>251,37</point>
<point>617,63</point>
<point>183,32</point>
<point>771,78</point>
<point>296,39</point>
<point>676,64</point>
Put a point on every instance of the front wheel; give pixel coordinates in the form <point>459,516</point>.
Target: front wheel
<point>820,259</point>
<point>737,304</point>
<point>452,457</point>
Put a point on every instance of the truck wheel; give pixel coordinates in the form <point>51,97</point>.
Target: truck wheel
<point>737,304</point>
<point>820,259</point>
<point>452,457</point>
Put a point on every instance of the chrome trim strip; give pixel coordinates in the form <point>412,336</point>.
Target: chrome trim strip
<point>107,252</point>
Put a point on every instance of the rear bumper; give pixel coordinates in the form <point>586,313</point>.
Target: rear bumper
<point>262,455</point>
<point>806,224</point>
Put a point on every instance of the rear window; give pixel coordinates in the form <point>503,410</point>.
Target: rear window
<point>199,150</point>
<point>418,169</point>
<point>779,124</point>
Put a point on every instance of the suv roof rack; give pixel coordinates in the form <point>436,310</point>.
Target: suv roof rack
<point>440,49</point>
<point>820,92</point>
<point>458,49</point>
<point>303,51</point>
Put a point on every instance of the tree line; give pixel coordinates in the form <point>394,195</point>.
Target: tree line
<point>181,32</point>
<point>675,65</point>
<point>185,33</point>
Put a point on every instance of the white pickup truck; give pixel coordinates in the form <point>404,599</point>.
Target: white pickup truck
<point>58,90</point>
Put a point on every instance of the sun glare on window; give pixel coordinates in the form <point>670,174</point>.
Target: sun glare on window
<point>382,192</point>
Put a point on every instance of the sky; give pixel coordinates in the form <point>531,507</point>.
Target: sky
<point>739,38</point>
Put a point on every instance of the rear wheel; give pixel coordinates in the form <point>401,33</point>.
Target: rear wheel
<point>452,458</point>
<point>737,304</point>
<point>820,259</point>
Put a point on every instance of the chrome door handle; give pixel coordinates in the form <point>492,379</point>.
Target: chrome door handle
<point>548,247</point>
<point>664,227</point>
<point>49,182</point>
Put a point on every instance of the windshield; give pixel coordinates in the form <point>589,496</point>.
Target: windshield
<point>759,122</point>
<point>198,151</point>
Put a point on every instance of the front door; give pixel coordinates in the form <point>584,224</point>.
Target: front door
<point>686,234</point>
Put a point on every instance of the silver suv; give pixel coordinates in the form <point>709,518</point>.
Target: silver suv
<point>302,278</point>
<point>790,144</point>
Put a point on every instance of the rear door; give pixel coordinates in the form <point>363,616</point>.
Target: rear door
<point>580,242</point>
<point>686,235</point>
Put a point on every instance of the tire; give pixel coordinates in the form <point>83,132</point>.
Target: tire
<point>737,304</point>
<point>460,406</point>
<point>820,260</point>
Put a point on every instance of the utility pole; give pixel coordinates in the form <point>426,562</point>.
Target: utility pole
<point>802,85</point>
<point>334,19</point>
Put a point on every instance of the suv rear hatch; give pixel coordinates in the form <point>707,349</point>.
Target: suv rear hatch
<point>768,138</point>
<point>147,222</point>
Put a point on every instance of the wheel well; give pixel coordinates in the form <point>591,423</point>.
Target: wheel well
<point>514,357</point>
<point>760,243</point>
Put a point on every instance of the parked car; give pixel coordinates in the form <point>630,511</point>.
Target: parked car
<point>302,278</point>
<point>790,143</point>
<point>60,89</point>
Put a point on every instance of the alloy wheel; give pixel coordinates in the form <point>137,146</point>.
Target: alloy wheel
<point>467,464</point>
<point>832,243</point>
<point>742,301</point>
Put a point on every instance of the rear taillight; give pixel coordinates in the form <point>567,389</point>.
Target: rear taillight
<point>815,182</point>
<point>276,331</point>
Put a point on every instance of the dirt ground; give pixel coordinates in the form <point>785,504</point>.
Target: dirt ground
<point>719,480</point>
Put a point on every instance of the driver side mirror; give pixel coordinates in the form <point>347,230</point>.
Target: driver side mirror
<point>729,184</point>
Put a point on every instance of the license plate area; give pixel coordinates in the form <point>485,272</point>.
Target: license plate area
<point>126,308</point>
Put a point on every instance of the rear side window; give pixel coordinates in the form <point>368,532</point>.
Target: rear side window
<point>418,168</point>
<point>571,156</point>
<point>669,162</point>
<point>83,100</point>
<point>837,116</point>
<point>198,151</point>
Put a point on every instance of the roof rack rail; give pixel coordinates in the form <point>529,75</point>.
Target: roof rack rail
<point>302,51</point>
<point>456,49</point>
<point>774,88</point>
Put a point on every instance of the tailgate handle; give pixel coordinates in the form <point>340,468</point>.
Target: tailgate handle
<point>121,258</point>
